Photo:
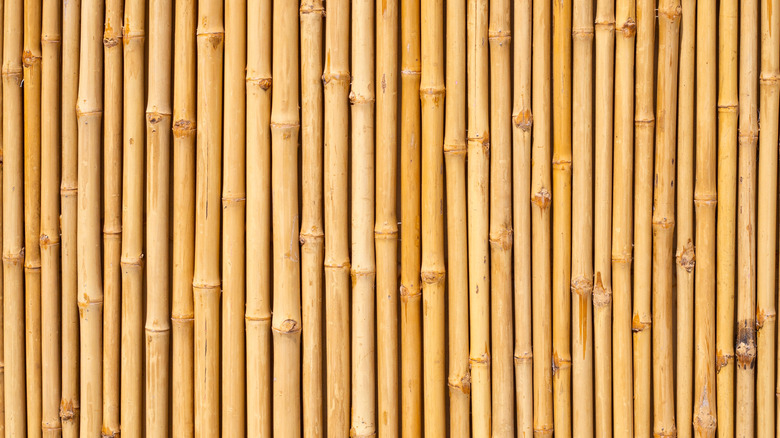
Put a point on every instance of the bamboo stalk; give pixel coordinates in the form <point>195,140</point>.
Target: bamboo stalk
<point>705,200</point>
<point>540,223</point>
<point>336,86</point>
<point>522,121</point>
<point>644,127</point>
<point>158,135</point>
<point>2,324</point>
<point>582,220</point>
<point>258,218</point>
<point>478,169</point>
<point>49,237</point>
<point>386,228</point>
<point>311,236</point>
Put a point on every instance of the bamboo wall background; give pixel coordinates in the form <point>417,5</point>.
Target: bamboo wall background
<point>487,218</point>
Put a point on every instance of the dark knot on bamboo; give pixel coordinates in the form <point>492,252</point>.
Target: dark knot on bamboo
<point>263,83</point>
<point>559,363</point>
<point>746,344</point>
<point>762,316</point>
<point>460,384</point>
<point>155,117</point>
<point>288,327</point>
<point>628,28</point>
<point>581,286</point>
<point>409,293</point>
<point>686,256</point>
<point>638,325</point>
<point>521,358</point>
<point>602,296</point>
<point>542,199</point>
<point>721,360</point>
<point>523,120</point>
<point>672,13</point>
<point>29,59</point>
<point>183,128</point>
<point>47,242</point>
<point>68,410</point>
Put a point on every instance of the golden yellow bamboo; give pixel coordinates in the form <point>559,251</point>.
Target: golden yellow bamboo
<point>2,348</point>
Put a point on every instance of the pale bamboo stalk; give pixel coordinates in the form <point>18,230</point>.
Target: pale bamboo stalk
<point>336,88</point>
<point>728,55</point>
<point>459,379</point>
<point>644,127</point>
<point>89,109</point>
<point>286,322</point>
<point>478,174</point>
<point>386,227</point>
<point>13,220</point>
<point>540,222</point>
<point>158,137</point>
<point>411,323</point>
<point>705,200</point>
<point>311,236</point>
<point>522,121</point>
<point>2,348</point>
<point>745,348</point>
<point>602,216</point>
<point>132,263</point>
<point>258,219</point>
<point>582,220</point>
<point>49,236</point>
<point>206,283</point>
<point>663,218</point>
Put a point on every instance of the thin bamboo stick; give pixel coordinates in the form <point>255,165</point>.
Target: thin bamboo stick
<point>745,348</point>
<point>540,222</point>
<point>582,220</point>
<point>522,121</point>
<point>386,228</point>
<point>49,237</point>
<point>13,220</point>
<point>258,218</point>
<point>644,128</point>
<point>158,135</point>
<point>336,85</point>
<point>312,237</point>
<point>2,347</point>
<point>705,201</point>
<point>89,110</point>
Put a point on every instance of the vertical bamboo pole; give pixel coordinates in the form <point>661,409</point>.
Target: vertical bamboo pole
<point>13,220</point>
<point>705,201</point>
<point>746,220</point>
<point>522,121</point>
<point>2,348</point>
<point>258,218</point>
<point>89,109</point>
<point>478,169</point>
<point>336,85</point>
<point>644,127</point>
<point>386,228</point>
<point>582,220</point>
<point>311,236</point>
<point>158,135</point>
<point>540,222</point>
<point>49,237</point>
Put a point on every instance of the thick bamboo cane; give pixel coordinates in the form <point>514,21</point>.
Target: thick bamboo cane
<point>89,110</point>
<point>258,219</point>
<point>13,220</point>
<point>182,318</point>
<point>158,136</point>
<point>336,85</point>
<point>644,128</point>
<point>746,220</point>
<point>705,200</point>
<point>582,220</point>
<point>478,169</point>
<point>50,219</point>
<point>540,222</point>
<point>386,227</point>
<point>2,348</point>
<point>362,243</point>
<point>522,121</point>
<point>311,236</point>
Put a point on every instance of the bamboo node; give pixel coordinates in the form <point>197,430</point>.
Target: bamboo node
<point>68,410</point>
<point>721,360</point>
<point>542,199</point>
<point>686,256</point>
<point>524,120</point>
<point>671,13</point>
<point>561,164</point>
<point>335,78</point>
<point>357,99</point>
<point>314,235</point>
<point>262,318</point>
<point>358,273</point>
<point>214,38</point>
<point>434,91</point>
<point>47,242</point>
<point>311,9</point>
<point>704,422</point>
<point>748,138</point>
<point>502,238</point>
<point>132,261</point>
<point>663,223</point>
<point>746,345</point>
<point>582,33</point>
<point>455,148</point>
<point>431,277</point>
<point>708,199</point>
<point>386,230</point>
<point>29,59</point>
<point>288,327</point>
<point>523,358</point>
<point>559,363</point>
<point>229,200</point>
<point>12,72</point>
<point>407,294</point>
<point>480,141</point>
<point>622,259</point>
<point>608,25</point>
<point>14,259</point>
<point>602,297</point>
<point>541,432</point>
<point>644,122</point>
<point>763,316</point>
<point>666,433</point>
<point>728,108</point>
<point>155,117</point>
<point>182,128</point>
<point>484,359</point>
<point>628,29</point>
<point>66,191</point>
<point>353,433</point>
<point>767,78</point>
<point>637,325</point>
<point>110,41</point>
<point>581,286</point>
<point>500,36</point>
<point>263,83</point>
<point>50,39</point>
<point>106,433</point>
<point>462,383</point>
<point>410,72</point>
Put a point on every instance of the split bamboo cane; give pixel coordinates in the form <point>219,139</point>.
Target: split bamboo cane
<point>184,125</point>
<point>540,222</point>
<point>705,200</point>
<point>13,220</point>
<point>746,220</point>
<point>2,348</point>
<point>49,236</point>
<point>622,217</point>
<point>258,218</point>
<point>158,136</point>
<point>311,236</point>
<point>386,228</point>
<point>478,169</point>
<point>582,220</point>
<point>644,127</point>
<point>362,202</point>
<point>89,110</point>
<point>336,85</point>
<point>112,215</point>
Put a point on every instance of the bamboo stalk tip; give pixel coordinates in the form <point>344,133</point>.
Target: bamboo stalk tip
<point>686,256</point>
<point>524,120</point>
